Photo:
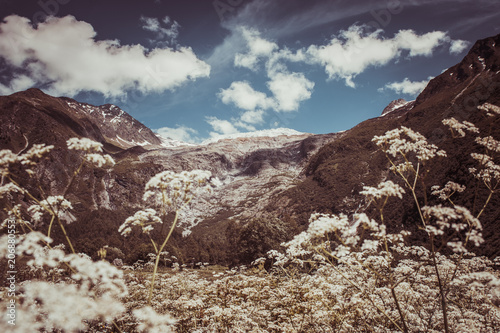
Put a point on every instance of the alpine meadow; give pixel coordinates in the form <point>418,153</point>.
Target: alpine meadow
<point>177,185</point>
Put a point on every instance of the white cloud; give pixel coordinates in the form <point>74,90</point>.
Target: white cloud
<point>257,48</point>
<point>458,46</point>
<point>254,117</point>
<point>181,133</point>
<point>419,45</point>
<point>289,90</point>
<point>353,51</point>
<point>407,87</point>
<point>63,55</point>
<point>221,126</point>
<point>242,95</point>
<point>165,35</point>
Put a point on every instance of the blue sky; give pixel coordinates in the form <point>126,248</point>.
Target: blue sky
<point>197,69</point>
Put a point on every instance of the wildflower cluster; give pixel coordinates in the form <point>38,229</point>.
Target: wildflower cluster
<point>380,268</point>
<point>447,191</point>
<point>92,152</point>
<point>331,298</point>
<point>29,159</point>
<point>403,140</point>
<point>170,192</point>
<point>57,206</point>
<point>144,218</point>
<point>174,190</point>
<point>460,127</point>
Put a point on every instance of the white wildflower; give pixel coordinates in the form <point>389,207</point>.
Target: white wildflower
<point>36,151</point>
<point>448,190</point>
<point>92,152</point>
<point>383,190</point>
<point>9,188</point>
<point>457,218</point>
<point>489,172</point>
<point>322,224</point>
<point>490,109</point>
<point>490,143</point>
<point>144,218</point>
<point>460,127</point>
<point>84,144</point>
<point>99,160</point>
<point>403,140</point>
<point>53,205</point>
<point>174,190</point>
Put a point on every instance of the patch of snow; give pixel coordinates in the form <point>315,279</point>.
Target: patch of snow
<point>133,142</point>
<point>171,143</point>
<point>481,60</point>
<point>395,105</point>
<point>263,133</point>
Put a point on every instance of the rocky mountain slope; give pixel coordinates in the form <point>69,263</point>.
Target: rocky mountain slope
<point>252,169</point>
<point>269,184</point>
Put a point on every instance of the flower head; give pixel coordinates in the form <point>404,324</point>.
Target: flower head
<point>404,140</point>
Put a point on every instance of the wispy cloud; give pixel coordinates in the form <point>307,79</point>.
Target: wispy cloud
<point>76,61</point>
<point>166,30</point>
<point>406,86</point>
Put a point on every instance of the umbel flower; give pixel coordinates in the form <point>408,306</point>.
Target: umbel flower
<point>403,140</point>
<point>92,152</point>
<point>175,190</point>
<point>144,218</point>
<point>54,205</point>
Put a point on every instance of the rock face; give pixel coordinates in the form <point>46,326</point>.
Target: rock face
<point>271,183</point>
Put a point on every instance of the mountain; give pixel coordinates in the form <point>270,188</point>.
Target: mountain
<point>337,173</point>
<point>271,181</point>
<point>252,167</point>
<point>46,119</point>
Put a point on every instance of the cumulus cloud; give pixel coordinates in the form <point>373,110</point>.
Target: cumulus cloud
<point>289,90</point>
<point>243,96</point>
<point>63,55</point>
<point>407,87</point>
<point>354,50</point>
<point>458,46</point>
<point>220,126</point>
<point>180,133</point>
<point>246,121</point>
<point>258,48</point>
<point>254,117</point>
